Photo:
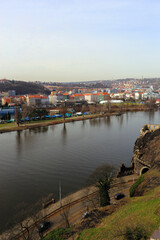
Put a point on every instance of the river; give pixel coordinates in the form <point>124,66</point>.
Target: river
<point>33,161</point>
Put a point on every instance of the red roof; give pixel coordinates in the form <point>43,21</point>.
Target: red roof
<point>78,95</point>
<point>34,96</point>
<point>102,93</point>
<point>88,94</point>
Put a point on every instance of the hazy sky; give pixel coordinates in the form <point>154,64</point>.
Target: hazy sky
<point>74,40</point>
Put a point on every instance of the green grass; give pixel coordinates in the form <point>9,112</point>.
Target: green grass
<point>13,124</point>
<point>8,125</point>
<point>135,185</point>
<point>57,234</point>
<point>139,211</point>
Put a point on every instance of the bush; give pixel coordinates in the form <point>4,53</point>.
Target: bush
<point>57,234</point>
<point>135,185</point>
<point>136,233</point>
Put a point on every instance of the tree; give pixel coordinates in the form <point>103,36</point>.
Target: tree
<point>92,108</point>
<point>109,106</point>
<point>65,212</point>
<point>83,109</point>
<point>26,110</point>
<point>64,110</point>
<point>102,178</point>
<point>38,112</point>
<point>17,115</point>
<point>26,222</point>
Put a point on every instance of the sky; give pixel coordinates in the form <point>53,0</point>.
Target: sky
<point>79,40</point>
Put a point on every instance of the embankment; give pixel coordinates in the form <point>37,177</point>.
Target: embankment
<point>51,122</point>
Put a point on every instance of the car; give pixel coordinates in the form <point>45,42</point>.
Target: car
<point>43,226</point>
<point>85,215</point>
<point>119,196</point>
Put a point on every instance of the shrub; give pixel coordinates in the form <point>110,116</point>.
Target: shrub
<point>57,234</point>
<point>135,233</point>
<point>135,185</point>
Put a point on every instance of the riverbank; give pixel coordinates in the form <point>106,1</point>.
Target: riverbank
<point>9,127</point>
<point>43,123</point>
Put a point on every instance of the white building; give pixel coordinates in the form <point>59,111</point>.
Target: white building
<point>90,97</point>
<point>37,100</point>
<point>53,99</point>
<point>111,101</point>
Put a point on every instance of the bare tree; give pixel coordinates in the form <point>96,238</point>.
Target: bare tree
<point>26,111</point>
<point>17,115</point>
<point>91,202</point>
<point>63,110</point>
<point>66,212</point>
<point>92,108</point>
<point>83,109</point>
<point>109,106</point>
<point>25,223</point>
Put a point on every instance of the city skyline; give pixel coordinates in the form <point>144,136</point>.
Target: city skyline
<point>72,40</point>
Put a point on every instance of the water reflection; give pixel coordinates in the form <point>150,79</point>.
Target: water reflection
<point>100,120</point>
<point>95,122</point>
<point>52,127</point>
<point>83,122</point>
<point>151,115</point>
<point>127,117</point>
<point>36,130</point>
<point>19,142</point>
<point>120,120</point>
<point>64,133</point>
<point>108,121</point>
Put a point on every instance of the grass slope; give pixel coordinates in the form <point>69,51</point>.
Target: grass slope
<point>139,211</point>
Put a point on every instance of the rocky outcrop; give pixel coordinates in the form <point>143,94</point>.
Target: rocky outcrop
<point>125,171</point>
<point>147,150</point>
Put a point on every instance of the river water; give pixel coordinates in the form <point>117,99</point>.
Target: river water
<point>33,161</point>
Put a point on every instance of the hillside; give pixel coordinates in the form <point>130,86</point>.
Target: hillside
<point>139,212</point>
<point>22,88</point>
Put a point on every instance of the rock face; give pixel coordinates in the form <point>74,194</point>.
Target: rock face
<point>147,151</point>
